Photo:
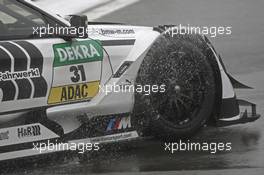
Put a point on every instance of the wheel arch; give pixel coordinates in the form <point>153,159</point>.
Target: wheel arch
<point>226,105</point>
<point>217,66</point>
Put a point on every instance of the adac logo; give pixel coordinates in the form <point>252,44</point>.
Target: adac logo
<point>21,67</point>
<point>119,123</point>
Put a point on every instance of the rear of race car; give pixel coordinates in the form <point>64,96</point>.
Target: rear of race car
<point>232,110</point>
<point>116,116</point>
<point>144,82</point>
<point>133,93</point>
<point>199,90</point>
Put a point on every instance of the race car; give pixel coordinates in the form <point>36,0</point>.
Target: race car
<point>113,83</point>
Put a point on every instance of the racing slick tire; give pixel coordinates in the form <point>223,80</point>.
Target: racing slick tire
<point>181,65</point>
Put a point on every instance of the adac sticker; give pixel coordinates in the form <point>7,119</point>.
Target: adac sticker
<point>74,92</point>
<point>77,52</point>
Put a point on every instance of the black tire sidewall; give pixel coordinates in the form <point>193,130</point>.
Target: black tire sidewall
<point>160,50</point>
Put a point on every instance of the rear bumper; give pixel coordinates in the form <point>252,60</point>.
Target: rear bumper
<point>247,114</point>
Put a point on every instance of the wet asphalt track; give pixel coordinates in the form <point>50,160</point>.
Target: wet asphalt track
<point>243,54</point>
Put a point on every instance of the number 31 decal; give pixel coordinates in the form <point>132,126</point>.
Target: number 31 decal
<point>78,73</point>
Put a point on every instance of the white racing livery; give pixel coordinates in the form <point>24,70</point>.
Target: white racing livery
<point>118,83</point>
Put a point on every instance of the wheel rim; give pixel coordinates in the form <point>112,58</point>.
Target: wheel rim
<point>185,90</point>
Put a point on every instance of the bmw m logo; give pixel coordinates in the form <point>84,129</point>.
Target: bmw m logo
<point>119,123</point>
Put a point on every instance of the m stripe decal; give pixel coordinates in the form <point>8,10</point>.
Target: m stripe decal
<point>8,88</point>
<point>20,58</point>
<point>21,67</point>
<point>20,64</point>
<point>40,84</point>
<point>34,53</point>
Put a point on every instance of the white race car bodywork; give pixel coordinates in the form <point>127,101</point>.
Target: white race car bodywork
<point>104,102</point>
<point>65,97</point>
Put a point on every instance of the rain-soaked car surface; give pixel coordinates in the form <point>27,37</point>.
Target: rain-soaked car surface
<point>243,60</point>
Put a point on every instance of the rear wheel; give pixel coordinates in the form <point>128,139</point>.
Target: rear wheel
<point>180,64</point>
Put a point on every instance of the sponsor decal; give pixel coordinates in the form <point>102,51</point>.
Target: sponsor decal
<point>119,123</point>
<point>122,69</point>
<point>77,52</point>
<point>115,137</point>
<point>21,66</point>
<point>112,32</point>
<point>73,92</point>
<point>117,32</point>
<point>25,134</point>
<point>20,75</point>
<point>75,59</point>
<point>4,135</point>
<point>29,131</point>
